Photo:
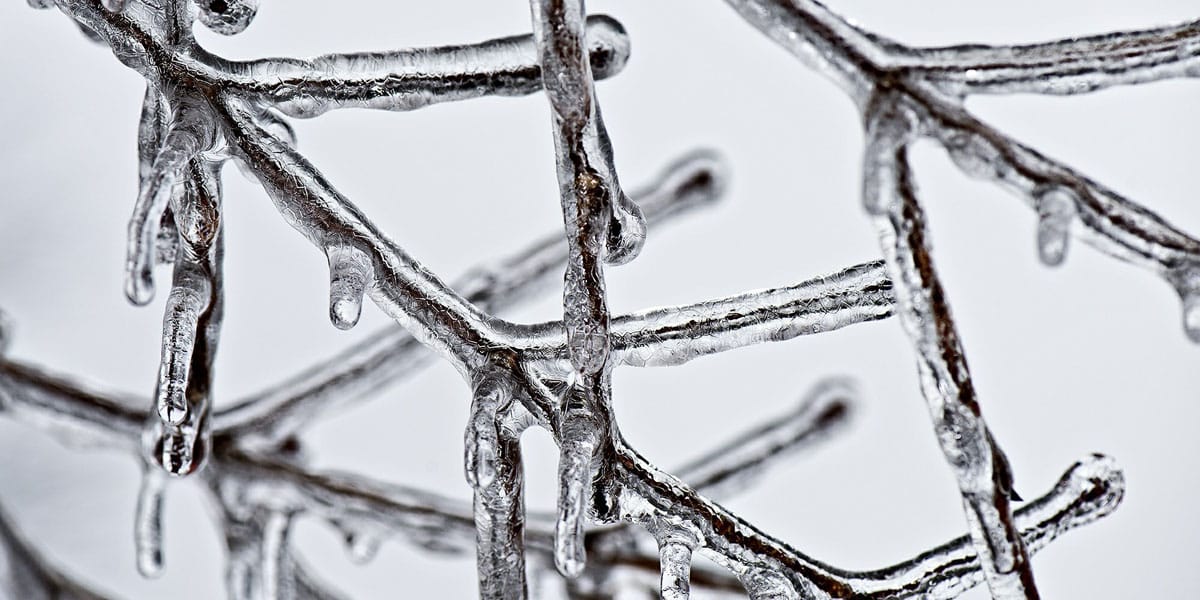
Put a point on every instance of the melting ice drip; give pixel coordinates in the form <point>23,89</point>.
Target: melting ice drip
<point>201,110</point>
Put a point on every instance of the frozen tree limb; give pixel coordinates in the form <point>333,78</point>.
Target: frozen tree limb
<point>693,180</point>
<point>980,467</point>
<point>201,110</point>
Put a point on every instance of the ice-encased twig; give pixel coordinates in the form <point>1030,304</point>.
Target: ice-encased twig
<point>411,79</point>
<point>979,466</point>
<point>678,334</point>
<point>864,64</point>
<point>1090,490</point>
<point>695,179</point>
<point>159,45</point>
<point>242,481</point>
<point>1067,66</point>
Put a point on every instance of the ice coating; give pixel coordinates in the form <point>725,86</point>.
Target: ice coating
<point>199,110</point>
<point>349,278</point>
<point>247,487</point>
<point>980,467</point>
<point>148,522</point>
<point>1056,211</point>
<point>227,17</point>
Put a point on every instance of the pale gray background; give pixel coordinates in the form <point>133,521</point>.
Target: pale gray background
<point>1088,357</point>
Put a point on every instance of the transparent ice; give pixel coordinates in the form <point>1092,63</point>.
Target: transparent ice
<point>201,110</point>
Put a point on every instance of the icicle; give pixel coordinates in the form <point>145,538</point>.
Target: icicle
<point>481,439</point>
<point>273,567</point>
<point>578,442</point>
<point>148,522</point>
<point>190,135</point>
<point>675,567</point>
<point>1186,280</point>
<point>190,296</point>
<point>350,275</point>
<point>227,17</point>
<point>1056,209</point>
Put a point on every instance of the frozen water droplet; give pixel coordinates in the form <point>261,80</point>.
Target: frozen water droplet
<point>180,450</point>
<point>173,411</point>
<point>1186,280</point>
<point>362,544</point>
<point>115,5</point>
<point>1056,209</point>
<point>349,277</point>
<point>626,232</point>
<point>41,3</point>
<point>227,17</point>
<point>148,522</point>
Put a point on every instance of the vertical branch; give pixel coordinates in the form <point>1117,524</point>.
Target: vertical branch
<point>600,223</point>
<point>980,467</point>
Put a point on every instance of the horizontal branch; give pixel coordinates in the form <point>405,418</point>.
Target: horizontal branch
<point>403,80</point>
<point>1089,490</point>
<point>675,335</point>
<point>78,414</point>
<point>1068,66</point>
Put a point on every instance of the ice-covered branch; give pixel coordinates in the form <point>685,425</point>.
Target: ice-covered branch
<point>1069,66</point>
<point>405,290</point>
<point>1067,201</point>
<point>1087,491</point>
<point>979,465</point>
<point>410,79</point>
<point>694,180</point>
<point>929,83</point>
<point>675,335</point>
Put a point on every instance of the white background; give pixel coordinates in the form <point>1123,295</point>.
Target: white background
<point>1087,357</point>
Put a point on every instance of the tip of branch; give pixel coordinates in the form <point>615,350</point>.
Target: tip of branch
<point>608,46</point>
<point>139,284</point>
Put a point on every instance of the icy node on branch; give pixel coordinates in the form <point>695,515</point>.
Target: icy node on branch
<point>349,278</point>
<point>1055,209</point>
<point>113,5</point>
<point>227,17</point>
<point>1186,279</point>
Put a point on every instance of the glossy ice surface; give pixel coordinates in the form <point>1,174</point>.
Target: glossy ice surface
<point>201,110</point>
